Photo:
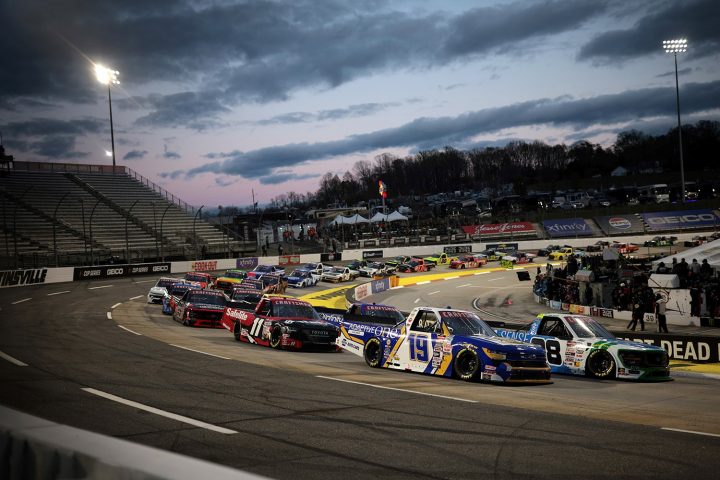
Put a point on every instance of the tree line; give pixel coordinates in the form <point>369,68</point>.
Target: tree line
<point>521,164</point>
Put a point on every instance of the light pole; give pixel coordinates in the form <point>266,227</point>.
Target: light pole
<point>108,77</point>
<point>675,47</point>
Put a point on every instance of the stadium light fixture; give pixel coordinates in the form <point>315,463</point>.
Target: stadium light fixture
<point>678,46</point>
<point>108,76</point>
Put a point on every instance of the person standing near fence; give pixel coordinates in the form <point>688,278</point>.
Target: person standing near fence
<point>660,309</point>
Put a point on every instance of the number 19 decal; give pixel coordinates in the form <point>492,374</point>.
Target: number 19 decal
<point>552,347</point>
<point>418,348</point>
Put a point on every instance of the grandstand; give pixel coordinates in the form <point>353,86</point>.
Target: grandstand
<point>57,214</point>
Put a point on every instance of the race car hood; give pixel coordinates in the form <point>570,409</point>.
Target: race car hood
<point>513,348</point>
<point>604,343</point>
<point>206,306</point>
<point>308,323</point>
<point>158,290</point>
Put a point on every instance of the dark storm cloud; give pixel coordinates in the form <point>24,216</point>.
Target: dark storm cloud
<point>576,113</point>
<point>277,178</point>
<point>696,20</point>
<point>681,72</point>
<point>56,147</point>
<point>50,126</point>
<point>245,51</point>
<point>135,154</point>
<point>334,114</point>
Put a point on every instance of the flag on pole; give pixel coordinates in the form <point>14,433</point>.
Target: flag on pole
<point>382,189</point>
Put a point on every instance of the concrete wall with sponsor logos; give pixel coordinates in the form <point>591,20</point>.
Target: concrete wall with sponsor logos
<point>35,276</point>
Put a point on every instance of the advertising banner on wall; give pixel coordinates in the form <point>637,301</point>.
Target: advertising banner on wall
<point>331,257</point>
<point>567,227</point>
<point>499,228</point>
<point>289,260</point>
<point>681,220</point>
<point>620,224</point>
<point>246,263</point>
<point>680,347</point>
<point>455,249</point>
<point>17,278</point>
<point>503,247</point>
<point>372,254</point>
<point>115,271</point>
<point>203,266</point>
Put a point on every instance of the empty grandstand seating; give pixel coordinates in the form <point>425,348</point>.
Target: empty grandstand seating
<point>81,217</point>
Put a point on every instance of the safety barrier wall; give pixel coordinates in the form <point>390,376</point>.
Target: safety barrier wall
<point>31,447</point>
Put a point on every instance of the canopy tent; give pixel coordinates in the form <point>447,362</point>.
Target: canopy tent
<point>391,217</point>
<point>707,251</point>
<point>353,220</point>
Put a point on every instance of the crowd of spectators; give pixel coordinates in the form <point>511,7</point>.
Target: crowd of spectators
<point>630,284</point>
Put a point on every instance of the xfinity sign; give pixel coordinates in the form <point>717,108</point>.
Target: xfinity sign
<point>680,220</point>
<point>567,227</point>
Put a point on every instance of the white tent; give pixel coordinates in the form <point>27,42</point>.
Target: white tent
<point>391,217</point>
<point>707,251</point>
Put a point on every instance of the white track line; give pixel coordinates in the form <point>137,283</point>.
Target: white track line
<point>58,293</point>
<point>397,389</point>
<point>162,413</point>
<point>21,301</point>
<point>495,279</point>
<point>135,298</point>
<point>416,300</point>
<point>101,286</point>
<point>109,315</point>
<point>481,273</point>
<point>451,278</point>
<point>433,293</point>
<point>128,330</point>
<point>691,431</point>
<point>199,351</point>
<point>115,306</point>
<point>399,286</point>
<point>464,285</point>
<point>146,281</point>
<point>13,360</point>
<point>423,283</point>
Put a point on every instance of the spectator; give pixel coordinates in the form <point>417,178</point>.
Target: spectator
<point>660,308</point>
<point>705,270</point>
<point>661,268</point>
<point>264,251</point>
<point>637,315</point>
<point>695,300</point>
<point>694,268</point>
<point>280,249</point>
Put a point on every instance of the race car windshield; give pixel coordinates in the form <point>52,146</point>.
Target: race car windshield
<point>385,312</point>
<point>588,328</point>
<point>338,270</point>
<point>299,273</point>
<point>263,268</point>
<point>248,298</point>
<point>293,310</point>
<point>466,323</point>
<point>165,282</point>
<point>206,299</point>
<point>235,274</point>
<point>178,290</point>
<point>309,266</point>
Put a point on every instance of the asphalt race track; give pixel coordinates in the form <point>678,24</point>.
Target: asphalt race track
<point>94,355</point>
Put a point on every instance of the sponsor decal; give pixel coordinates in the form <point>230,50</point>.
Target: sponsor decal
<point>246,263</point>
<point>372,254</point>
<point>203,266</point>
<point>577,309</point>
<point>377,286</point>
<point>680,220</point>
<point>696,349</point>
<point>11,278</point>
<point>499,228</point>
<point>455,249</point>
<point>362,291</point>
<point>554,304</point>
<point>567,227</point>
<point>619,223</point>
<point>239,314</point>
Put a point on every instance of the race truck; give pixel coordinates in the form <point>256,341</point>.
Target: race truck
<point>469,261</point>
<point>356,265</point>
<point>415,265</point>
<point>493,255</point>
<point>625,248</point>
<point>203,278</point>
<point>363,312</point>
<point>562,254</point>
<point>302,278</point>
<point>243,299</point>
<point>266,284</point>
<point>579,345</point>
<point>445,342</point>
<point>175,293</point>
<point>373,269</point>
<point>261,270</point>
<point>316,269</point>
<point>159,290</point>
<point>519,258</point>
<point>396,261</point>
<point>440,259</point>
<point>660,242</point>
<point>281,322</point>
<point>200,308</point>
<point>339,274</point>
<point>229,279</point>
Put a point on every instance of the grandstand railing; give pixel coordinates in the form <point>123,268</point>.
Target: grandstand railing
<point>157,188</point>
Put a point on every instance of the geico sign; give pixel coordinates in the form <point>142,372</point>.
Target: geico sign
<point>160,268</point>
<point>702,217</point>
<point>115,271</point>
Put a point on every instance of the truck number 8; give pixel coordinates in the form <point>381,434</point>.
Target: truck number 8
<point>552,347</point>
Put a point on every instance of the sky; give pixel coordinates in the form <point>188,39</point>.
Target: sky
<point>221,98</point>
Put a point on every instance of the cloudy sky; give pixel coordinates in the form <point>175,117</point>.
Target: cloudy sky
<point>222,97</point>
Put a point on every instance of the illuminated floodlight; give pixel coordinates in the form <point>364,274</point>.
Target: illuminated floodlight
<point>106,76</point>
<point>675,46</point>
<point>108,153</point>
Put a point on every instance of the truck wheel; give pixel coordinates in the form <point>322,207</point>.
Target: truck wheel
<point>373,353</point>
<point>467,365</point>
<point>236,331</point>
<point>600,364</point>
<point>275,337</point>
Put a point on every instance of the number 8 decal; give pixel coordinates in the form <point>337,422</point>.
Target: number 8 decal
<point>552,347</point>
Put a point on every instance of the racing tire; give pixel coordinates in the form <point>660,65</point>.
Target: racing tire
<point>236,331</point>
<point>276,337</point>
<point>373,353</point>
<point>600,364</point>
<point>467,365</point>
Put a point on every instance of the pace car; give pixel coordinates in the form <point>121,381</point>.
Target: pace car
<point>579,345</point>
<point>445,342</point>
